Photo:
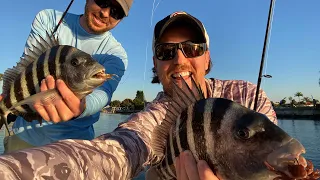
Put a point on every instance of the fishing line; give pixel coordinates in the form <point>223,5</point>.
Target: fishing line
<point>61,19</point>
<point>154,8</point>
<point>270,14</point>
<point>269,39</point>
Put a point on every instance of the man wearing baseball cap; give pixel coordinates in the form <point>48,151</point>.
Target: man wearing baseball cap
<point>180,50</point>
<point>88,32</point>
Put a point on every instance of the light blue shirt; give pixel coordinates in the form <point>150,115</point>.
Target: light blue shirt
<point>104,48</point>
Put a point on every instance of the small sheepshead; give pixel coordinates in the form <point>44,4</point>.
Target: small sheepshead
<point>236,142</point>
<point>21,84</point>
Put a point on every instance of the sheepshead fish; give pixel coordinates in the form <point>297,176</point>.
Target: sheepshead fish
<point>236,142</point>
<point>21,84</point>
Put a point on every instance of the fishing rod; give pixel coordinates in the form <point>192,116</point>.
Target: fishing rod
<point>64,14</point>
<point>272,2</point>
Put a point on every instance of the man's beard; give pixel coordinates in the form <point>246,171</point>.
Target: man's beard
<point>89,22</point>
<point>170,80</point>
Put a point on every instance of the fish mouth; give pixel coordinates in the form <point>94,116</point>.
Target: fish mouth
<point>101,75</point>
<point>287,156</point>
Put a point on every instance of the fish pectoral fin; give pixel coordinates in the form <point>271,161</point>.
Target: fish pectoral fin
<point>51,96</point>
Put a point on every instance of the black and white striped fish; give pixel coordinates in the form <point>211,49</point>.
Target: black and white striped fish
<point>235,141</point>
<point>21,84</point>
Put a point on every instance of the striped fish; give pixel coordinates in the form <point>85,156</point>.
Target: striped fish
<point>21,84</point>
<point>236,142</point>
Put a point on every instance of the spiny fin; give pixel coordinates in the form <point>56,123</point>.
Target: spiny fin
<point>180,100</point>
<point>32,54</point>
<point>41,98</point>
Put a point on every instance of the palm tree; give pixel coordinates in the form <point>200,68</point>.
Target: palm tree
<point>298,94</point>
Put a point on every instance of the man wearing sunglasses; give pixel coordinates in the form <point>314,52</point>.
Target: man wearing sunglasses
<point>181,50</point>
<point>88,32</point>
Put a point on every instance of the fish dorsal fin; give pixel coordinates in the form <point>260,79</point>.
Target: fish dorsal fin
<point>32,53</point>
<point>180,100</point>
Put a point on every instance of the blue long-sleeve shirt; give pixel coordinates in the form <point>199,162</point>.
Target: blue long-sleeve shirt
<point>104,48</point>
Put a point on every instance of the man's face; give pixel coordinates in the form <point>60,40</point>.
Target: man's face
<point>99,20</point>
<point>171,70</point>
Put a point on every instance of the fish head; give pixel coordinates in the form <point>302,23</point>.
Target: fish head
<point>245,140</point>
<point>82,73</point>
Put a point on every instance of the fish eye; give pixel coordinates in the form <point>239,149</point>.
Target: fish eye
<point>243,133</point>
<point>75,62</point>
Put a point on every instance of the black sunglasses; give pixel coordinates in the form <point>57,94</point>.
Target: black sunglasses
<point>168,51</point>
<point>115,11</point>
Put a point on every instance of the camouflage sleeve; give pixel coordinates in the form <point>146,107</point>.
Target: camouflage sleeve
<point>244,92</point>
<point>265,107</point>
<point>121,154</point>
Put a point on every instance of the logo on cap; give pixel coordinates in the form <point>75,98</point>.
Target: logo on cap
<point>176,13</point>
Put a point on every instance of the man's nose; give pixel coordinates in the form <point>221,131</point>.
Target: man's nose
<point>105,12</point>
<point>180,58</point>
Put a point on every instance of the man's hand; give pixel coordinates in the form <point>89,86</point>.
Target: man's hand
<point>188,169</point>
<point>64,108</point>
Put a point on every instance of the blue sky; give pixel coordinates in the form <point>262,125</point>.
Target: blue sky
<point>236,29</point>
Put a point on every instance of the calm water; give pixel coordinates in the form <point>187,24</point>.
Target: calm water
<point>306,131</point>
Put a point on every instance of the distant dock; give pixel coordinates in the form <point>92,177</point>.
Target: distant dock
<point>298,113</point>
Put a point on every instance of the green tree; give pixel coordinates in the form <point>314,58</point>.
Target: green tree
<point>298,94</point>
<point>138,104</point>
<point>127,103</point>
<point>115,103</point>
<point>140,96</point>
<point>1,76</point>
<point>139,100</point>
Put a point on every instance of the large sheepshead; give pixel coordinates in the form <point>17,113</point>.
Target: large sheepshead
<point>21,86</point>
<point>236,142</point>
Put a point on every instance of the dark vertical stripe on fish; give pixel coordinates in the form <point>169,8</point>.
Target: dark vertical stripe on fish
<point>29,79</point>
<point>219,109</point>
<point>7,100</point>
<point>64,53</point>
<point>40,73</point>
<point>52,58</point>
<point>183,131</point>
<point>199,133</point>
<point>18,91</point>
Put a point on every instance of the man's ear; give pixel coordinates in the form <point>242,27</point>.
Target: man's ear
<point>207,59</point>
<point>154,62</point>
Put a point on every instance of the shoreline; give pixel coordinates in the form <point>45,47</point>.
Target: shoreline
<point>299,113</point>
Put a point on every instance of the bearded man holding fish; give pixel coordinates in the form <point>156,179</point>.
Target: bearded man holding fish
<point>192,120</point>
<point>69,116</point>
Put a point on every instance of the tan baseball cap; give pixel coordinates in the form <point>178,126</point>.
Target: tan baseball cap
<point>179,16</point>
<point>126,5</point>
